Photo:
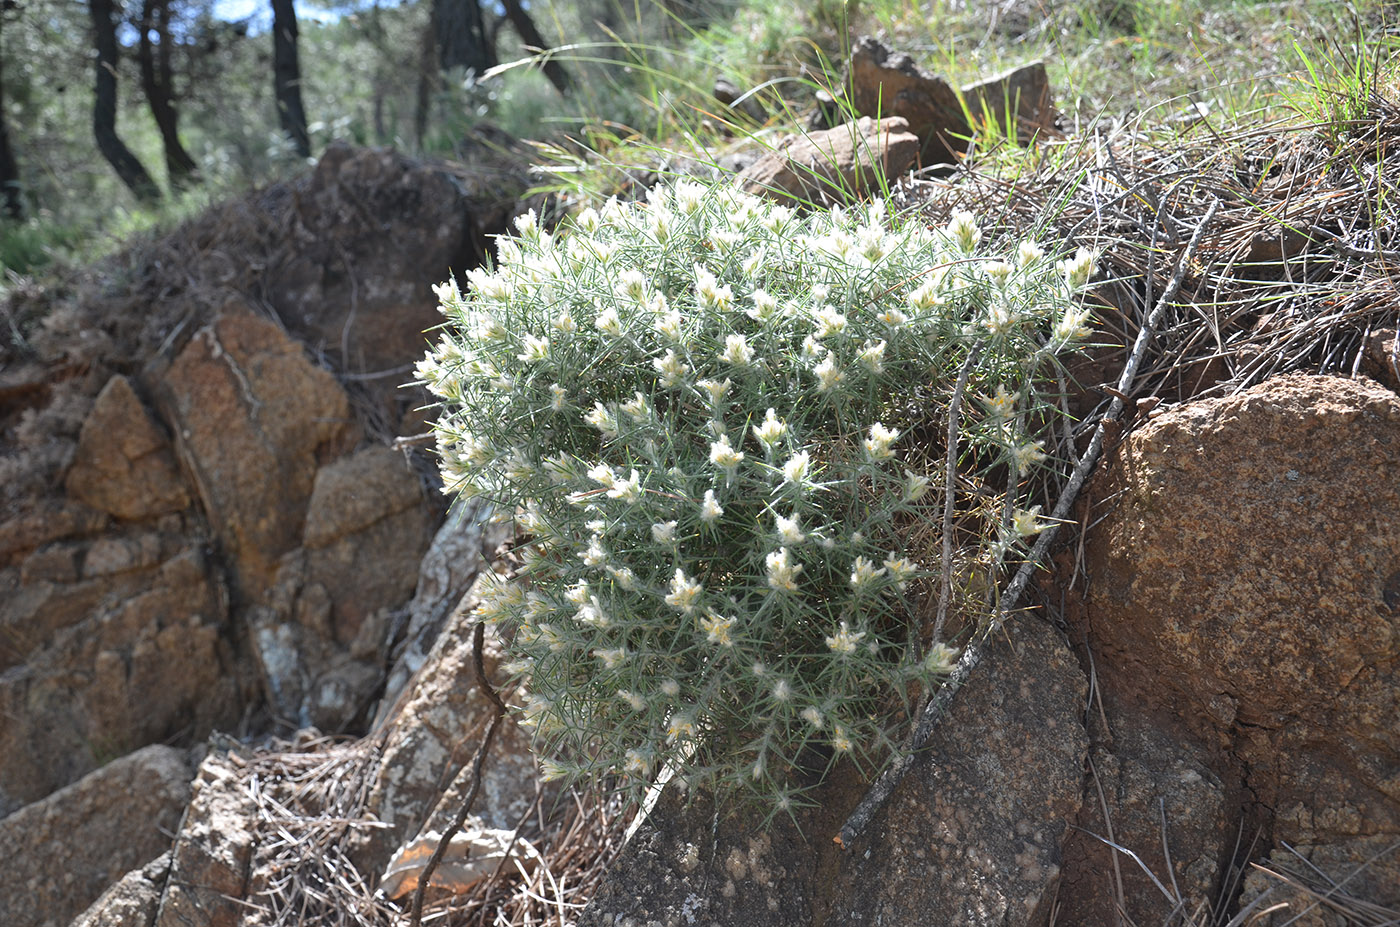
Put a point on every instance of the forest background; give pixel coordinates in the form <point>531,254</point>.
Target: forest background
<point>119,116</point>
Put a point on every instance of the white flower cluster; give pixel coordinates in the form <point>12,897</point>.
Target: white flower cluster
<point>701,406</point>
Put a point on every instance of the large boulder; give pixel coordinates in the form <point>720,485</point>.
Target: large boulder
<point>972,835</point>
<point>197,491</point>
<point>1245,597</point>
<point>62,852</point>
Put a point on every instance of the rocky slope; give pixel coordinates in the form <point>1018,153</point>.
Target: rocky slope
<point>209,523</point>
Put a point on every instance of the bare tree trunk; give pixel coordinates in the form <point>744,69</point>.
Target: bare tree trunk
<point>428,80</point>
<point>525,28</point>
<point>104,107</point>
<point>11,189</point>
<point>462,38</point>
<point>286,76</point>
<point>157,80</point>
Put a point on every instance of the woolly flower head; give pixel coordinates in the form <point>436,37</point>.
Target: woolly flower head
<point>723,455</point>
<point>963,230</point>
<point>782,571</point>
<point>796,468</point>
<point>684,592</point>
<point>844,641</point>
<point>1078,269</point>
<point>879,445</point>
<point>737,351</point>
<point>771,431</point>
<point>711,293</point>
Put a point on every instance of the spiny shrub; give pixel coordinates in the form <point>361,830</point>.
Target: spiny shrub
<point>699,411</point>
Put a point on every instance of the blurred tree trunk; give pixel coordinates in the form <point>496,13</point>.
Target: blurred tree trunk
<point>286,76</point>
<point>462,37</point>
<point>104,107</point>
<point>11,190</point>
<point>525,28</point>
<point>427,80</point>
<point>158,83</point>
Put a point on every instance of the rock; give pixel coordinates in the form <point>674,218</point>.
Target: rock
<point>124,465</point>
<point>826,113</point>
<point>1318,886</point>
<point>971,836</point>
<point>890,84</point>
<point>470,856</point>
<point>61,853</point>
<point>48,520</point>
<point>728,93</point>
<point>1149,783</point>
<point>887,83</point>
<point>367,238</point>
<point>836,165</point>
<point>367,528</point>
<point>253,418</point>
<point>1381,358</point>
<point>1245,596</point>
<point>109,664</point>
<point>150,556</point>
<point>428,743</point>
<point>322,639</point>
<point>1016,103</point>
<point>213,852</point>
<point>459,552</point>
<point>132,901</point>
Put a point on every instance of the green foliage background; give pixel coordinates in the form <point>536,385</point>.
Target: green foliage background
<point>645,70</point>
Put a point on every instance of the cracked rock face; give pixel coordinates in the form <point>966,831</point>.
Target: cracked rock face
<point>1243,598</point>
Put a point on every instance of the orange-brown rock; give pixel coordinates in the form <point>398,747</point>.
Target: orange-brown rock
<point>885,83</point>
<point>253,418</point>
<point>108,664</point>
<point>124,465</point>
<point>1245,597</point>
<point>47,520</point>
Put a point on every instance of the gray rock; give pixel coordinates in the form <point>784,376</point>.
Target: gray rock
<point>133,901</point>
<point>61,853</point>
<point>213,852</point>
<point>972,835</point>
<point>834,166</point>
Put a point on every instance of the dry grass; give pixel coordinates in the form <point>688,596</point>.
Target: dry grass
<point>1296,271</point>
<point>310,799</point>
